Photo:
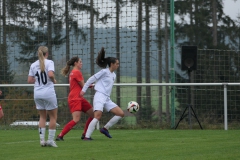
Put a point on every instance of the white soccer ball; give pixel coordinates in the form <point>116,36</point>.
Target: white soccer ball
<point>132,107</point>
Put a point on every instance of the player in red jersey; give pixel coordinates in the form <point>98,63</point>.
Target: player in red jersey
<point>76,103</point>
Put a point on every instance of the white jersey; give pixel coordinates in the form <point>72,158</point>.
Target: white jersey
<point>43,86</point>
<point>104,81</point>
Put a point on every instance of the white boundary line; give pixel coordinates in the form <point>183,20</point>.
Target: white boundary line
<point>33,141</point>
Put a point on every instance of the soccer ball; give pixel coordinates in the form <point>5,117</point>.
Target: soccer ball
<point>132,107</point>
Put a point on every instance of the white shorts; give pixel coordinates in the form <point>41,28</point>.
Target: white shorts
<point>101,101</point>
<point>49,103</point>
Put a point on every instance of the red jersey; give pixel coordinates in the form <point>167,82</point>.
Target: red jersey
<point>75,89</point>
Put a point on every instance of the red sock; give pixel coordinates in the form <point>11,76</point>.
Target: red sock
<point>87,124</point>
<point>67,128</point>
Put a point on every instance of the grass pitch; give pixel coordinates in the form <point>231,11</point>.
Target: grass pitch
<point>125,145</point>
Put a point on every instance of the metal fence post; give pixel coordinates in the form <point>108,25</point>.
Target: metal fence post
<point>225,106</point>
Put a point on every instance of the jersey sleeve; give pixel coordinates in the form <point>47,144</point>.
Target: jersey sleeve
<point>78,76</point>
<point>93,79</point>
<point>99,74</point>
<point>50,66</point>
<point>31,73</point>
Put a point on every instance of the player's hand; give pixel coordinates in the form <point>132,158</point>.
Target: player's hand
<point>91,85</point>
<point>81,93</point>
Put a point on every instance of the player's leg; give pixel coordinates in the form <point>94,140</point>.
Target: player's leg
<point>118,115</point>
<point>75,108</point>
<point>42,120</point>
<point>42,126</point>
<point>52,108</point>
<point>87,108</point>
<point>112,107</point>
<point>91,127</point>
<point>98,104</point>
<point>52,127</point>
<point>76,117</point>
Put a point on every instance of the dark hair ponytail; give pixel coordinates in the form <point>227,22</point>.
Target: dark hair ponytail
<point>102,61</point>
<point>71,62</point>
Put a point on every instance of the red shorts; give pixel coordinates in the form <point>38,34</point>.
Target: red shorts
<point>79,105</point>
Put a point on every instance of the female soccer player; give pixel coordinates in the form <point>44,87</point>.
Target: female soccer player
<point>104,82</point>
<point>41,73</point>
<point>77,103</point>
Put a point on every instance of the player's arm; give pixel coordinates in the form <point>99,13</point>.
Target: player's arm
<point>31,79</point>
<point>88,84</point>
<point>81,83</point>
<point>51,76</point>
<point>51,69</point>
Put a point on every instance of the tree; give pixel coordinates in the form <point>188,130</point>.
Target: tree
<point>147,52</point>
<point>119,4</point>
<point>207,28</point>
<point>159,44</point>
<point>6,75</point>
<point>139,54</point>
<point>71,22</point>
<point>43,13</point>
<point>166,60</point>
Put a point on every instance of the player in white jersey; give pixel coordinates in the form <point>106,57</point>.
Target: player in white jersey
<point>104,82</point>
<point>41,73</point>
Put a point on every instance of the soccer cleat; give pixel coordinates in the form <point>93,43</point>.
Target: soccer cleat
<point>87,139</point>
<point>43,143</point>
<point>105,131</point>
<point>83,136</point>
<point>59,138</point>
<point>51,143</point>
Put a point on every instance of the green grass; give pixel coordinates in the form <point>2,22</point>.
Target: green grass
<point>125,145</point>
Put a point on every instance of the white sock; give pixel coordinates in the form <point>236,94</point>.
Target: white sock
<point>41,132</point>
<point>51,134</point>
<point>91,127</point>
<point>112,121</point>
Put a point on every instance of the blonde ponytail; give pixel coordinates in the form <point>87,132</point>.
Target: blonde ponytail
<point>42,50</point>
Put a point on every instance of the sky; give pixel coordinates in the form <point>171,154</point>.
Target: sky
<point>232,8</point>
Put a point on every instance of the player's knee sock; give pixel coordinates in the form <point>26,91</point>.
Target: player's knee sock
<point>112,121</point>
<point>91,127</point>
<point>67,128</point>
<point>87,124</point>
<point>41,132</point>
<point>51,134</point>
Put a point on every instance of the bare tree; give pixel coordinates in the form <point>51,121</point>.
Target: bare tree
<point>49,27</point>
<point>167,61</point>
<point>147,53</point>
<point>159,44</point>
<point>139,54</point>
<point>118,8</point>
<point>214,21</point>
